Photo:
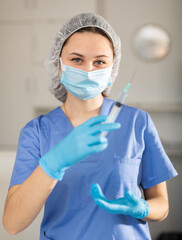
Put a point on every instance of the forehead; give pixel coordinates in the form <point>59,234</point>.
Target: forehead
<point>89,40</point>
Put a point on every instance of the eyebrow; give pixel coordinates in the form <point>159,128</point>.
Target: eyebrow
<point>80,55</point>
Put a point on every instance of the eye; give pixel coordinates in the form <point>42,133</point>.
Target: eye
<point>77,60</point>
<point>99,62</point>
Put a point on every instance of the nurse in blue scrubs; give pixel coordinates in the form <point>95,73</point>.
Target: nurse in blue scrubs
<point>92,187</point>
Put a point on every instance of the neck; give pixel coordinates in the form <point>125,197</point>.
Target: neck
<point>79,111</point>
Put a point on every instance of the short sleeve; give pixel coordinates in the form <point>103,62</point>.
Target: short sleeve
<point>156,166</point>
<point>28,153</point>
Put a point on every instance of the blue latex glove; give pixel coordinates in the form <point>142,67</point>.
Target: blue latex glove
<point>131,204</point>
<point>83,140</point>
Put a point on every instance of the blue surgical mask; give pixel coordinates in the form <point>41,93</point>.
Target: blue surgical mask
<point>85,85</point>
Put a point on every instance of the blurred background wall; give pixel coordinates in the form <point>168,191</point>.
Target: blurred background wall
<point>27,30</point>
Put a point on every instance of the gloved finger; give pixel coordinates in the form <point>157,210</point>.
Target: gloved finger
<point>104,127</point>
<point>131,196</point>
<point>95,120</point>
<point>111,207</point>
<point>97,139</point>
<point>96,191</point>
<point>98,148</point>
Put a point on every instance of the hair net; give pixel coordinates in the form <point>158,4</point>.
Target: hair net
<point>71,26</point>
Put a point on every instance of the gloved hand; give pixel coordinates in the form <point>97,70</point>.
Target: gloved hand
<point>131,204</point>
<point>84,140</point>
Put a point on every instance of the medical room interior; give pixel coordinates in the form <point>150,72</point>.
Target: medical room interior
<point>151,37</point>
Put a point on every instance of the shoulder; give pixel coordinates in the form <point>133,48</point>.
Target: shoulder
<point>130,112</point>
<point>126,108</point>
<point>141,120</point>
<point>135,113</point>
<point>134,110</point>
<point>41,122</point>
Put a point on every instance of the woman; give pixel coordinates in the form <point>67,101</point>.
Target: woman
<point>61,155</point>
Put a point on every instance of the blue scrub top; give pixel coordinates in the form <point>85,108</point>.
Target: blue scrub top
<point>134,160</point>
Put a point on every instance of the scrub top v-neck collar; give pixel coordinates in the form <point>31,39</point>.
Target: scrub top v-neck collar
<point>105,109</point>
<point>106,106</point>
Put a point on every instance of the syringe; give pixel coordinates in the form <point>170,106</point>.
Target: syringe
<point>118,104</point>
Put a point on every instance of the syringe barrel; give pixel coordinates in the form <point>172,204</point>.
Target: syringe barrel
<point>114,112</point>
<point>113,115</point>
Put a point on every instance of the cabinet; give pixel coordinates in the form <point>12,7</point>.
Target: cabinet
<point>43,9</point>
<point>15,78</point>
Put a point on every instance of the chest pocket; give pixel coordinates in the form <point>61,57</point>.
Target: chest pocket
<point>127,175</point>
